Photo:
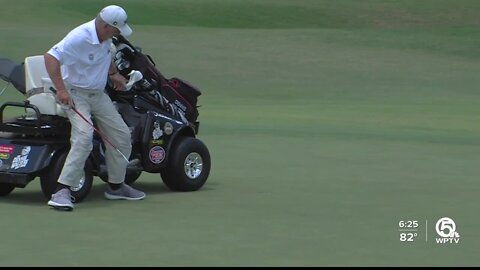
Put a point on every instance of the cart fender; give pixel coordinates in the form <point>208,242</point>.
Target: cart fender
<point>24,157</point>
<point>159,131</point>
<point>185,131</point>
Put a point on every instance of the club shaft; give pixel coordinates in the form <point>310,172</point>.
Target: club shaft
<point>100,133</point>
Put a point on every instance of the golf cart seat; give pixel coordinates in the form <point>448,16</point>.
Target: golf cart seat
<point>37,86</point>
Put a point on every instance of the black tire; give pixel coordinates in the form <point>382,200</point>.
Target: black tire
<point>189,165</point>
<point>48,180</point>
<point>6,189</point>
<point>132,176</point>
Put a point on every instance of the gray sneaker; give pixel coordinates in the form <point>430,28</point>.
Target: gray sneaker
<point>61,200</point>
<point>125,192</point>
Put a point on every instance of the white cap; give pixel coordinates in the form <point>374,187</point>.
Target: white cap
<point>116,17</point>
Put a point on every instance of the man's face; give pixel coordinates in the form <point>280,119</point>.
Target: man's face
<point>113,31</point>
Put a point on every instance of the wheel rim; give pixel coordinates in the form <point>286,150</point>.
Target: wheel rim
<point>193,165</point>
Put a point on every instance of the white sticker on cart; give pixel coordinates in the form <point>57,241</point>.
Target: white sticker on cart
<point>157,154</point>
<point>157,132</point>
<point>21,160</point>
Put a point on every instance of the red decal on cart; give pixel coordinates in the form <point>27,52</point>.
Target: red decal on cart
<point>6,148</point>
<point>157,154</point>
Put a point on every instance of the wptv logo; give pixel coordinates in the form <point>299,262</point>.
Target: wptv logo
<point>447,231</point>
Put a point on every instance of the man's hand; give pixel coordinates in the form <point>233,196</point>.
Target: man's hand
<point>119,82</point>
<point>64,98</point>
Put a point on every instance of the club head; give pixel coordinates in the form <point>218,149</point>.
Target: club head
<point>135,76</point>
<point>133,163</point>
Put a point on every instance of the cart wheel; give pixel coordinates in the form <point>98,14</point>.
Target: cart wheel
<point>5,189</point>
<point>132,176</point>
<point>48,180</point>
<point>188,167</point>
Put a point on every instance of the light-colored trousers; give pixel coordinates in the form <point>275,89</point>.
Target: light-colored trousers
<point>98,104</point>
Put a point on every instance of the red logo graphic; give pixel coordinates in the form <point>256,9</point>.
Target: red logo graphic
<point>157,154</point>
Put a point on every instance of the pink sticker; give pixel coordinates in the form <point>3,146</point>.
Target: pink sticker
<point>7,148</point>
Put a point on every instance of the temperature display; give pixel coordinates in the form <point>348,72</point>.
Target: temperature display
<point>408,230</point>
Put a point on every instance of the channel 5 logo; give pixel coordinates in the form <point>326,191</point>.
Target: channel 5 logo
<point>447,230</point>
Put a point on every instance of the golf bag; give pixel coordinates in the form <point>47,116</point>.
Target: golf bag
<point>177,96</point>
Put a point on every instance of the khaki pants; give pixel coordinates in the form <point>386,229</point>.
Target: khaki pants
<point>98,104</point>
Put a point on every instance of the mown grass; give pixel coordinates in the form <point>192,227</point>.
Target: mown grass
<point>327,122</point>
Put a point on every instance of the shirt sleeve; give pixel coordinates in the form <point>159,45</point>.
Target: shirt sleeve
<point>57,51</point>
<point>66,51</point>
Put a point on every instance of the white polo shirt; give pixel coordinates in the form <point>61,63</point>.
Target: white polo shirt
<point>84,60</point>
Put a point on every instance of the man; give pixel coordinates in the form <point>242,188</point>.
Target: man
<point>79,66</point>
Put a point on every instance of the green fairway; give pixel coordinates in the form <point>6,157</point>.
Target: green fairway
<point>328,122</point>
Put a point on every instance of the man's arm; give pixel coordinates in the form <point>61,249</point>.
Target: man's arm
<point>119,82</point>
<point>53,70</point>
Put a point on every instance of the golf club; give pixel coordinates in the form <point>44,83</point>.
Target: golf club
<point>100,133</point>
<point>134,76</point>
<point>94,128</point>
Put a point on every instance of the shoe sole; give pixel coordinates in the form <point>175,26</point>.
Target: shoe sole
<point>64,207</point>
<point>117,197</point>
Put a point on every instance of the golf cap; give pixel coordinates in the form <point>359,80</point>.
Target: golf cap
<point>116,17</point>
